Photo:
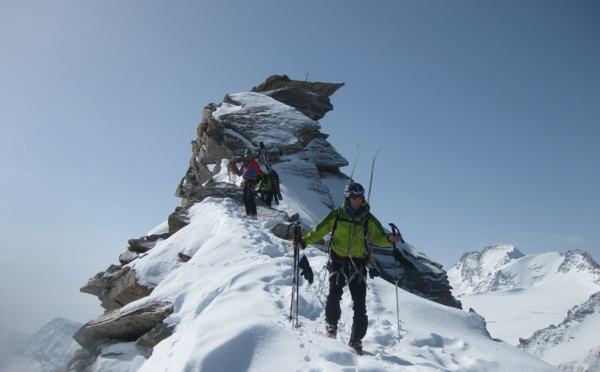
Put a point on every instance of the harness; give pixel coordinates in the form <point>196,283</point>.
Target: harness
<point>348,268</point>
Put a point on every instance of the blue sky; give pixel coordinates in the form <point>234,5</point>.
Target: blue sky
<point>486,112</point>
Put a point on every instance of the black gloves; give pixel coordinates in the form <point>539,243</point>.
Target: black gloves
<point>373,272</point>
<point>306,272</point>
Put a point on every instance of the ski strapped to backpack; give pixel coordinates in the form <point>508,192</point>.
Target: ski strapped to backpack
<point>372,170</point>
<point>264,158</point>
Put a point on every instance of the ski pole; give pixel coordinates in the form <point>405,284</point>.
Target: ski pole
<point>396,231</point>
<point>291,317</point>
<point>298,234</point>
<point>295,276</point>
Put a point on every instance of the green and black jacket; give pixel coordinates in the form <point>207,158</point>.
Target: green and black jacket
<point>348,239</point>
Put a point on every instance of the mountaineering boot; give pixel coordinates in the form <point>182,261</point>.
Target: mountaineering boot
<point>331,330</point>
<point>356,345</point>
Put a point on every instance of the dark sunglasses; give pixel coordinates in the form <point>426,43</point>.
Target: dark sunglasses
<point>353,197</point>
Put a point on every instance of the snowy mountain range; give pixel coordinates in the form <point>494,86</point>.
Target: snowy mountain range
<point>523,297</point>
<point>47,350</point>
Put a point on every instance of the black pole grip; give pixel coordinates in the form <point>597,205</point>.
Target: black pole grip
<point>395,230</point>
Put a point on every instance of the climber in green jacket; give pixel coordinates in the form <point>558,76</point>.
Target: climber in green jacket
<point>265,188</point>
<point>350,225</point>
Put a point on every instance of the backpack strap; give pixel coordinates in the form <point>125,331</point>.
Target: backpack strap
<point>365,226</point>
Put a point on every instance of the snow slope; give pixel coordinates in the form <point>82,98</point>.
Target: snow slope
<point>232,298</point>
<point>232,302</point>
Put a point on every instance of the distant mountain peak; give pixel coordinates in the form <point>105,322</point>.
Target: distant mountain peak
<point>580,261</point>
<point>577,326</point>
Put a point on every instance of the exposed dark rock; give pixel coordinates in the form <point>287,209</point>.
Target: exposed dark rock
<point>127,257</point>
<point>115,287</point>
<point>82,361</point>
<point>178,220</point>
<point>151,339</point>
<point>311,98</point>
<point>145,243</point>
<point>324,155</point>
<point>416,274</point>
<point>126,326</point>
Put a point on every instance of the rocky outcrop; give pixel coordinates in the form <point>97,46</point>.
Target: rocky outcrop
<point>417,274</point>
<point>310,98</point>
<point>229,128</point>
<point>154,337</point>
<point>126,326</point>
<point>115,287</point>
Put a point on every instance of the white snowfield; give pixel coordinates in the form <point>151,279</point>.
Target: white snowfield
<point>232,302</point>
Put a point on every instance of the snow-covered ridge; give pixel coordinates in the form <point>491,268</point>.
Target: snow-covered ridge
<point>234,294</point>
<point>229,299</point>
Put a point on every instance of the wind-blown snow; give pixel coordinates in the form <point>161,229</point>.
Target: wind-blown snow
<point>282,121</point>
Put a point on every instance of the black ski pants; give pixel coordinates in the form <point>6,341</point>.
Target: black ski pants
<point>342,272</point>
<point>267,197</point>
<point>249,197</point>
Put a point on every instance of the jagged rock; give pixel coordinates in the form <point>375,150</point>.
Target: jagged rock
<point>126,326</point>
<point>286,231</point>
<point>138,246</point>
<point>275,82</point>
<point>312,105</point>
<point>310,98</point>
<point>324,155</point>
<point>145,243</point>
<point>416,274</point>
<point>244,117</point>
<point>115,287</point>
<point>178,220</point>
<point>229,128</point>
<point>127,257</point>
<point>184,257</point>
<point>151,339</point>
<point>82,361</point>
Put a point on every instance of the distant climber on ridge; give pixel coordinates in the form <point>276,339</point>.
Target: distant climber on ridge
<point>251,172</point>
<point>266,189</point>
